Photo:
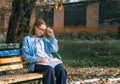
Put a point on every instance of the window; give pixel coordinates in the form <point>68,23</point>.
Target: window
<point>75,14</point>
<point>109,13</point>
<point>46,16</point>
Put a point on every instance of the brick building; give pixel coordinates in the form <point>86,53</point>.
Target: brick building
<point>82,17</point>
<point>74,17</point>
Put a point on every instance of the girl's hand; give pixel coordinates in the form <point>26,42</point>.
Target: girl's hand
<point>50,32</point>
<point>43,61</point>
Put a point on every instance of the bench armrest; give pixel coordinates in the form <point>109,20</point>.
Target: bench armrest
<point>57,55</point>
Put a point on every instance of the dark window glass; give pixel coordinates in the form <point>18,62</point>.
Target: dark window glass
<point>46,16</point>
<point>109,12</point>
<point>75,15</point>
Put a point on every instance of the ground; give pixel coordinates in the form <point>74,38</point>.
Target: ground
<point>81,74</point>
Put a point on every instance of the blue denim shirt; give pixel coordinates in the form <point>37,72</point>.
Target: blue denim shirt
<point>29,50</point>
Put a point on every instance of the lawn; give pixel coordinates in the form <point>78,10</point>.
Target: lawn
<point>90,53</point>
<point>90,59</point>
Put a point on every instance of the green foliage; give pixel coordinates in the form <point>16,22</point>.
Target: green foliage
<point>90,53</point>
<point>89,36</point>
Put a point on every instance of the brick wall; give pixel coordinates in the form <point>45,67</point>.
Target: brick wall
<point>92,18</point>
<point>58,24</point>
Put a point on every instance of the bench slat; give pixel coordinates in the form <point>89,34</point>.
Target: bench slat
<point>2,82</point>
<point>10,46</point>
<point>19,78</point>
<point>11,60</point>
<point>9,53</point>
<point>12,67</point>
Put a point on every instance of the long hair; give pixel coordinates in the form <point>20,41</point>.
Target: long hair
<point>37,23</point>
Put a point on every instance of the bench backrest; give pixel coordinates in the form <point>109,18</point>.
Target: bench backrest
<point>13,68</point>
<point>11,58</point>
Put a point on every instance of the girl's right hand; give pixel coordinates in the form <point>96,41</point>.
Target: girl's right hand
<point>50,32</point>
<point>43,61</point>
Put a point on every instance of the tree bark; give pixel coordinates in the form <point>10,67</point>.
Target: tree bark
<point>118,34</point>
<point>19,20</point>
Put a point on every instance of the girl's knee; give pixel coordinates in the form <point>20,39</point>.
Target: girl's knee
<point>50,69</point>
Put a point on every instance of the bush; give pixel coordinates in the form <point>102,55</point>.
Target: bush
<point>89,36</point>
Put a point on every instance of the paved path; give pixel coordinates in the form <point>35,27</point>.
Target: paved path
<point>98,81</point>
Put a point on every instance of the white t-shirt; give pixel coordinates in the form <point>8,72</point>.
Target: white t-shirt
<point>43,55</point>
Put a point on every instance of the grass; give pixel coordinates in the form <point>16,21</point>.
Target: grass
<point>76,53</point>
<point>90,59</point>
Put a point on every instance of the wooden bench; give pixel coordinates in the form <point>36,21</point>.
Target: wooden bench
<point>13,68</point>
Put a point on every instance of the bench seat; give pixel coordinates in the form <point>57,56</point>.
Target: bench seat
<point>19,78</point>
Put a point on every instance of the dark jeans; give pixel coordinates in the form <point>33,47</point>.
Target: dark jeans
<point>50,73</point>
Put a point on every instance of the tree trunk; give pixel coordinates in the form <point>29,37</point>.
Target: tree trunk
<point>118,34</point>
<point>19,20</point>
